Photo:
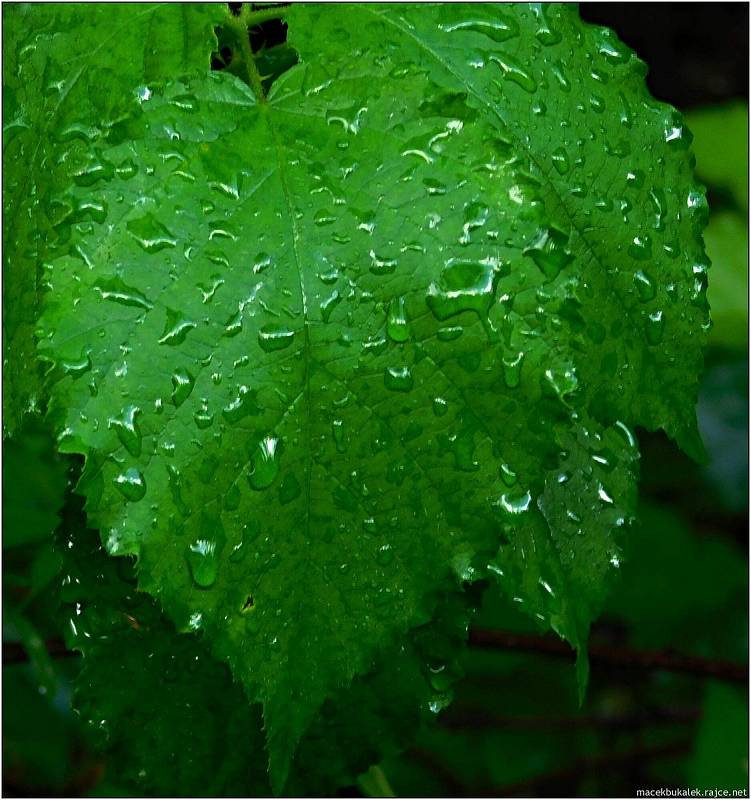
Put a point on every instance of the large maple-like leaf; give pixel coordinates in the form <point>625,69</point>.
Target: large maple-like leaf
<point>332,351</point>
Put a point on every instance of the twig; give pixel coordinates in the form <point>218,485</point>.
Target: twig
<point>612,656</point>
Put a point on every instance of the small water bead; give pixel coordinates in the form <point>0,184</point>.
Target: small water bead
<point>512,369</point>
<point>397,326</point>
<point>265,463</point>
<point>77,367</point>
<point>203,417</point>
<point>384,555</point>
<point>560,161</point>
<point>398,379</point>
<point>337,431</point>
<point>655,328</point>
<point>275,337</point>
<point>182,386</point>
<point>508,476</point>
<point>440,406</point>
<point>640,248</point>
<point>131,484</point>
<point>645,286</point>
<point>449,334</point>
<point>203,562</point>
<point>126,428</point>
<point>381,264</point>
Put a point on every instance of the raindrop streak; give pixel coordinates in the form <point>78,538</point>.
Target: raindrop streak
<point>397,326</point>
<point>127,430</point>
<point>275,337</point>
<point>151,234</point>
<point>202,560</point>
<point>398,379</point>
<point>500,29</point>
<point>265,463</point>
<point>131,484</point>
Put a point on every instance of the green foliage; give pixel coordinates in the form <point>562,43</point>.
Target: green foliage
<point>336,347</point>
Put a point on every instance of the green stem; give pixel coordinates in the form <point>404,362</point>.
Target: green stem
<point>251,18</point>
<point>254,77</point>
<point>374,783</point>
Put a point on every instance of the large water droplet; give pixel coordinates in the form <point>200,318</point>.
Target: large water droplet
<point>131,484</point>
<point>182,386</point>
<point>119,292</point>
<point>244,404</point>
<point>265,463</point>
<point>176,328</point>
<point>398,379</point>
<point>463,286</point>
<point>150,234</point>
<point>397,326</point>
<point>203,562</point>
<point>127,430</point>
<point>275,337</point>
<point>549,251</point>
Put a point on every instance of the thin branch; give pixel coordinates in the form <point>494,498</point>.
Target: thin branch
<point>612,656</point>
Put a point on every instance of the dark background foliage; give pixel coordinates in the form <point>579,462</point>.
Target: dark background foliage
<point>667,704</point>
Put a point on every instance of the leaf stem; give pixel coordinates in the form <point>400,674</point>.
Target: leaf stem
<point>240,30</point>
<point>251,18</point>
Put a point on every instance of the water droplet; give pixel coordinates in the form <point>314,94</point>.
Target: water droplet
<point>512,370</point>
<point>243,405</point>
<point>150,234</point>
<point>645,286</point>
<point>655,328</point>
<point>440,406</point>
<point>398,379</point>
<point>131,484</point>
<point>203,562</point>
<point>640,248</point>
<point>513,71</point>
<point>397,326</point>
<point>203,417</point>
<point>381,265</point>
<point>385,555</point>
<point>275,337</point>
<point>515,503</point>
<point>119,292</point>
<point>500,29</point>
<point>563,380</point>
<point>176,328</point>
<point>560,161</point>
<point>182,386</point>
<point>328,305</point>
<point>127,430</point>
<point>265,463</point>
<point>549,251</point>
<point>337,431</point>
<point>475,216</point>
<point>463,286</point>
<point>508,476</point>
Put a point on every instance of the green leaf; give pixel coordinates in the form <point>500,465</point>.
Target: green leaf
<point>67,80</point>
<point>331,352</point>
